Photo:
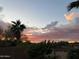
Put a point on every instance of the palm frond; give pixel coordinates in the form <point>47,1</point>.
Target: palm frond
<point>13,22</point>
<point>22,27</point>
<point>18,22</point>
<point>72,5</point>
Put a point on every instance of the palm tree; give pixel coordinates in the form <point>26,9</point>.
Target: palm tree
<point>17,29</point>
<point>72,5</point>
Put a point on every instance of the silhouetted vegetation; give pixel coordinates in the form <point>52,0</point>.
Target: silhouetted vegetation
<point>42,50</point>
<point>16,29</point>
<point>74,54</point>
<point>74,4</point>
<point>13,34</point>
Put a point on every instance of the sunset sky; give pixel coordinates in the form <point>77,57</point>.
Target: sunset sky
<point>45,19</point>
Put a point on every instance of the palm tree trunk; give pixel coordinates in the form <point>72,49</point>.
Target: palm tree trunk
<point>18,35</point>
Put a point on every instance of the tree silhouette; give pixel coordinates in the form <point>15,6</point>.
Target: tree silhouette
<point>72,5</point>
<point>40,50</point>
<point>17,28</point>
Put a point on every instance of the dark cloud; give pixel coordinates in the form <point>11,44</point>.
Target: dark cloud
<point>52,24</point>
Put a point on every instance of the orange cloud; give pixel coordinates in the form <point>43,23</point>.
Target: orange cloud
<point>69,17</point>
